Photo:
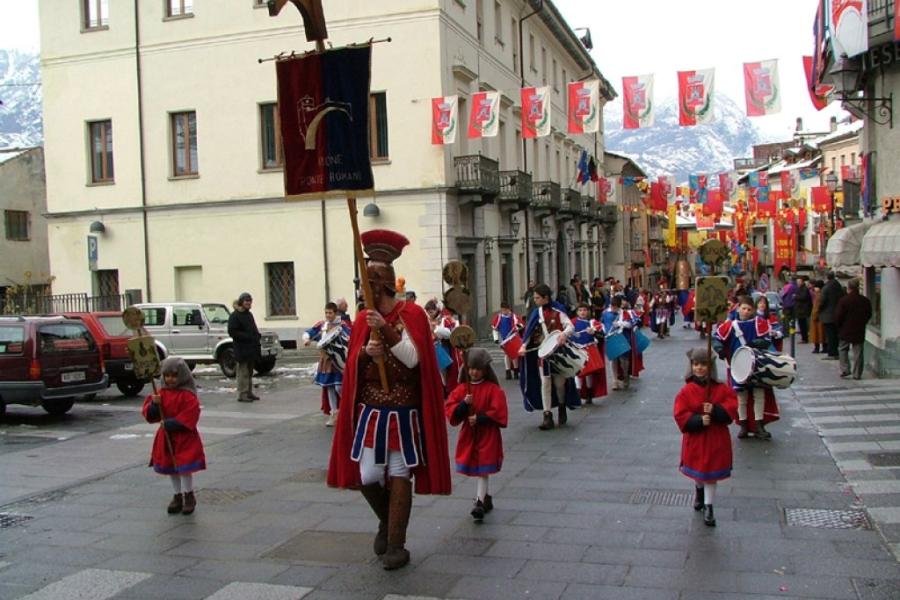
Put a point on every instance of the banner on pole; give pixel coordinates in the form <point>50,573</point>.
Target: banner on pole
<point>535,112</point>
<point>695,97</point>
<point>849,26</point>
<point>484,118</point>
<point>584,106</point>
<point>637,101</point>
<point>762,90</point>
<point>444,119</point>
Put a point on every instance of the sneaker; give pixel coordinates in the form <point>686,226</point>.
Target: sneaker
<point>478,511</point>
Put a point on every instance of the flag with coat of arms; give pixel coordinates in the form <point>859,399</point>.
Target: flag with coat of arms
<point>584,106</point>
<point>484,118</point>
<point>444,119</point>
<point>637,101</point>
<point>696,92</point>
<point>536,115</point>
<point>762,90</point>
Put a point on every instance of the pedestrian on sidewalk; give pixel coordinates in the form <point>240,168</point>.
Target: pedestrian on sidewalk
<point>816,330</point>
<point>851,316</point>
<point>329,373</point>
<point>803,308</point>
<point>704,408</point>
<point>386,436</point>
<point>243,331</point>
<point>480,410</point>
<point>831,295</point>
<point>181,455</point>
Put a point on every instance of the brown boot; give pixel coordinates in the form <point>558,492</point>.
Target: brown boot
<point>744,432</point>
<point>563,415</point>
<point>190,503</point>
<point>175,505</point>
<point>548,421</point>
<point>400,502</point>
<point>377,497</point>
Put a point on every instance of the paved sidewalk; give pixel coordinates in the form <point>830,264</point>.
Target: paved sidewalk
<point>593,510</point>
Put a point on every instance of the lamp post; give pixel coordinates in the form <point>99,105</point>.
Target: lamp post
<point>789,228</point>
<point>831,182</point>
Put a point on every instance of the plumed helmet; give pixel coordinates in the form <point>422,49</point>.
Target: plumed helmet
<point>382,247</point>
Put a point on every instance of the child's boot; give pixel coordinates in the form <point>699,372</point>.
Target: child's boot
<point>509,374</point>
<point>175,505</point>
<point>563,415</point>
<point>709,518</point>
<point>190,503</point>
<point>699,495</point>
<point>488,503</point>
<point>761,432</point>
<point>743,433</point>
<point>478,511</point>
<point>548,421</point>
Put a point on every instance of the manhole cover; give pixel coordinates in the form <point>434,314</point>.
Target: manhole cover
<point>662,497</point>
<point>308,475</point>
<point>217,496</point>
<point>11,520</point>
<point>337,547</point>
<point>827,519</point>
<point>884,459</point>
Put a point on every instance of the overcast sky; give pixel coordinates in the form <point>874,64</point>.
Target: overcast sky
<point>646,36</point>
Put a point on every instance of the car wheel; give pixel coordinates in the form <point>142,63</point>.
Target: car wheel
<point>227,362</point>
<point>130,388</point>
<point>58,407</point>
<point>2,409</point>
<point>265,365</point>
<point>191,365</point>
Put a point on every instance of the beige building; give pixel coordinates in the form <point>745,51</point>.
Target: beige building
<point>161,126</point>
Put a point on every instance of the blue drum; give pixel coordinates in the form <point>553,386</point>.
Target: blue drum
<point>641,341</point>
<point>444,359</point>
<point>616,346</point>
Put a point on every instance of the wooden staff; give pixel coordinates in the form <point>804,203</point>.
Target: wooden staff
<point>162,417</point>
<point>366,286</point>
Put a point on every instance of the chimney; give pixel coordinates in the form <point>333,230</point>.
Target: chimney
<point>833,123</point>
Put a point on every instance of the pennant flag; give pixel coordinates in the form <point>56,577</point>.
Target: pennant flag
<point>849,26</point>
<point>865,185</point>
<point>583,175</point>
<point>668,188</point>
<point>484,118</point>
<point>818,92</point>
<point>323,104</point>
<point>637,100</point>
<point>819,47</point>
<point>698,185</point>
<point>695,97</point>
<point>444,119</point>
<point>535,112</point>
<point>821,199</point>
<point>606,190</point>
<point>728,184</point>
<point>809,173</point>
<point>658,197</point>
<point>790,184</point>
<point>705,222</point>
<point>672,229</point>
<point>762,91</point>
<point>592,170</point>
<point>896,21</point>
<point>584,106</point>
<point>713,204</point>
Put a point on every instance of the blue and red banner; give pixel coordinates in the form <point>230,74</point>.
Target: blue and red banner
<point>323,103</point>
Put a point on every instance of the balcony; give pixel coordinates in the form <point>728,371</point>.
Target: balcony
<point>638,257</point>
<point>881,21</point>
<point>515,190</point>
<point>547,197</point>
<point>479,176</point>
<point>588,207</point>
<point>571,203</point>
<point>607,214</point>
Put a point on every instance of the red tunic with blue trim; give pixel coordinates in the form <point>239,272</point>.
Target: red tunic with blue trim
<point>184,407</point>
<point>479,447</point>
<point>706,453</point>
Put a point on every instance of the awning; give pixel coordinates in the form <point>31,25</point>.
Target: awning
<point>881,245</point>
<point>843,247</point>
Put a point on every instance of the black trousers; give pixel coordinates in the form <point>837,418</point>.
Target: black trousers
<point>831,339</point>
<point>803,326</point>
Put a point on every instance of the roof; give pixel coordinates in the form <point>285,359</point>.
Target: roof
<point>843,131</point>
<point>783,165</point>
<point>7,155</point>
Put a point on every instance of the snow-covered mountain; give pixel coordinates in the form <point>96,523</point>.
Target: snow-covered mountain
<point>669,149</point>
<point>20,111</point>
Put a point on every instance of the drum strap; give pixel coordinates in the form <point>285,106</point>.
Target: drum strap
<point>541,319</point>
<point>739,333</point>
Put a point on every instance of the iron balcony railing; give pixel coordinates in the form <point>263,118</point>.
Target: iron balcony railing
<point>547,196</point>
<point>571,202</point>
<point>477,174</point>
<point>30,304</point>
<point>515,188</point>
<point>608,214</point>
<point>588,207</point>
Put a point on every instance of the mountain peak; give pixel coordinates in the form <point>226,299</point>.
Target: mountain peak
<point>20,99</point>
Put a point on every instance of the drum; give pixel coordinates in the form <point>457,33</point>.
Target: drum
<point>594,361</point>
<point>641,341</point>
<point>616,346</point>
<point>566,360</point>
<point>444,359</point>
<point>334,345</point>
<point>752,366</point>
<point>511,346</point>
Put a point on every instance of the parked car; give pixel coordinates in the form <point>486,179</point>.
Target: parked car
<point>199,334</point>
<point>48,362</point>
<point>112,336</point>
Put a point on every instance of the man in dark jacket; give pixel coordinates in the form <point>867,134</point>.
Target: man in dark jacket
<point>831,294</point>
<point>242,329</point>
<point>803,308</point>
<point>851,315</point>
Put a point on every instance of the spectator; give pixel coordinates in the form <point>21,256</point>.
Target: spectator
<point>242,329</point>
<point>852,313</point>
<point>803,308</point>
<point>831,294</point>
<point>816,331</point>
<point>528,296</point>
<point>787,300</point>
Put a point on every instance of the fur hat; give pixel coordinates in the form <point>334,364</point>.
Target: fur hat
<point>479,358</point>
<point>699,354</point>
<point>177,366</point>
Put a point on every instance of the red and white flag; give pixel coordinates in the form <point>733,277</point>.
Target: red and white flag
<point>896,21</point>
<point>818,92</point>
<point>849,24</point>
<point>535,112</point>
<point>584,106</point>
<point>637,100</point>
<point>762,90</point>
<point>484,118</point>
<point>444,119</point>
<point>667,187</point>
<point>695,96</point>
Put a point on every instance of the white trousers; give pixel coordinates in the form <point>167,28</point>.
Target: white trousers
<point>759,403</point>
<point>370,473</point>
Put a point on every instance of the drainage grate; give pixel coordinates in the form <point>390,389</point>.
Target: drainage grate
<point>217,496</point>
<point>827,519</point>
<point>307,476</point>
<point>884,459</point>
<point>8,520</point>
<point>661,497</point>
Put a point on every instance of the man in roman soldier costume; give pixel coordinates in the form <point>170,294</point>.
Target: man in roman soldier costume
<point>385,438</point>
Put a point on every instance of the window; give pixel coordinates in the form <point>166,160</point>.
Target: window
<point>853,158</point>
<point>101,151</point>
<point>280,282</point>
<point>184,143</point>
<point>479,20</point>
<point>565,84</point>
<point>498,22</point>
<point>270,131</point>
<point>154,317</point>
<point>555,77</point>
<point>378,126</point>
<point>96,14</point>
<point>186,316</point>
<point>16,224</point>
<point>179,8</point>
<point>544,65</point>
<point>514,36</point>
<point>531,62</point>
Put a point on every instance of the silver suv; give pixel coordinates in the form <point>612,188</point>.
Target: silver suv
<point>199,334</point>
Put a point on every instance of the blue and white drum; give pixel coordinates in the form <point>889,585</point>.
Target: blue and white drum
<point>564,359</point>
<point>752,366</point>
<point>335,344</point>
<point>617,345</point>
<point>444,359</point>
<point>641,341</point>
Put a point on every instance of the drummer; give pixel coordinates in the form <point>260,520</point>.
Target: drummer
<point>329,375</point>
<point>506,328</point>
<point>620,321</point>
<point>443,322</point>
<point>752,330</point>
<point>541,388</point>
<point>591,381</point>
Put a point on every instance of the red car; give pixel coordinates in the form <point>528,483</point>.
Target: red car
<point>48,362</point>
<point>112,337</point>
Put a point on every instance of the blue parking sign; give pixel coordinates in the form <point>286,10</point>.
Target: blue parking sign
<point>92,252</point>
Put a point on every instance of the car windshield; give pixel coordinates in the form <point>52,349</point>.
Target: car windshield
<point>216,313</point>
<point>114,326</point>
<point>65,337</point>
<point>12,340</point>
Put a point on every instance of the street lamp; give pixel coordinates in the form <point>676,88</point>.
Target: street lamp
<point>831,182</point>
<point>514,225</point>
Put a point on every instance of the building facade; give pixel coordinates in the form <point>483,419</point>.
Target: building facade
<point>161,124</point>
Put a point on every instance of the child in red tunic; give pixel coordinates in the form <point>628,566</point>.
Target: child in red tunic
<point>482,412</point>
<point>177,409</point>
<point>703,410</point>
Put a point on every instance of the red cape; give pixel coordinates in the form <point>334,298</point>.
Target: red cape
<point>434,476</point>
